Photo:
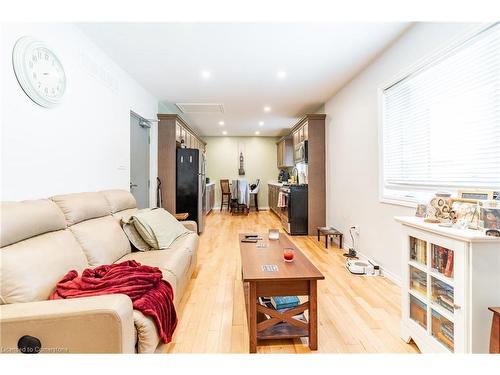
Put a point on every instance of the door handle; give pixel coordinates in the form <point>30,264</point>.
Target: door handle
<point>133,185</point>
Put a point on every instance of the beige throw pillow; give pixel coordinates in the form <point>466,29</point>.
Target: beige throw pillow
<point>158,228</point>
<point>132,234</point>
<point>135,238</point>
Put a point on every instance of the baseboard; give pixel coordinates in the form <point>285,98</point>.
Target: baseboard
<point>391,276</point>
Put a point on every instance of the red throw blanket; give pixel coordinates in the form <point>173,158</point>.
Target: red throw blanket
<point>150,294</point>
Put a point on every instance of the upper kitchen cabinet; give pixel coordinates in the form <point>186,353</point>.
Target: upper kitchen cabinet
<point>284,149</point>
<point>300,134</point>
<point>184,132</point>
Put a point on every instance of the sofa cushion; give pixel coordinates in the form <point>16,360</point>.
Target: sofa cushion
<point>153,259</point>
<point>147,333</point>
<point>30,269</point>
<point>158,227</point>
<point>102,240</point>
<point>82,206</point>
<point>175,263</point>
<point>119,200</point>
<point>22,220</point>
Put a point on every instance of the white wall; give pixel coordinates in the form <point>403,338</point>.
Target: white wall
<point>352,147</point>
<point>81,145</point>
<point>260,162</point>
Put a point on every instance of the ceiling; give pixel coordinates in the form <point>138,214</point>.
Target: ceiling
<point>242,60</point>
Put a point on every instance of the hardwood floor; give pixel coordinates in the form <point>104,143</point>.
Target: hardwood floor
<point>356,314</point>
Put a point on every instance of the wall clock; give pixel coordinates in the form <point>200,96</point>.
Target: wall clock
<point>39,71</point>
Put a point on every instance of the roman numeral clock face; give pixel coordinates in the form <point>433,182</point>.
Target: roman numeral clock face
<point>39,72</point>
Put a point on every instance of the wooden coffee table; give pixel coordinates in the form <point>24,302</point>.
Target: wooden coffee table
<point>297,278</point>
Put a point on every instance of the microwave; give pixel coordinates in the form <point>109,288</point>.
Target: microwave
<point>300,152</point>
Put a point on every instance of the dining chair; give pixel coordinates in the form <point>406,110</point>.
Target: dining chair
<point>225,192</point>
<point>254,192</point>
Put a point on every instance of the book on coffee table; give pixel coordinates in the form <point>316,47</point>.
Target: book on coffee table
<point>286,302</point>
<point>267,301</point>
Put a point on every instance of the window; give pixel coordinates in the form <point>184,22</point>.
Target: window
<point>441,122</point>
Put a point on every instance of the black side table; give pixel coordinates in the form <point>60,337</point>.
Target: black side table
<point>330,232</point>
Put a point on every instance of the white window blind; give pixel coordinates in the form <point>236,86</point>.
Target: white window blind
<point>441,123</point>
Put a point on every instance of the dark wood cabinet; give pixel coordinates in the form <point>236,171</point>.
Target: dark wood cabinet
<point>284,150</point>
<point>273,192</point>
<point>209,198</point>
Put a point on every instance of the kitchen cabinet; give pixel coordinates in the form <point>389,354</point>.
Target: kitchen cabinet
<point>273,192</point>
<point>296,138</point>
<point>209,198</point>
<point>183,134</point>
<point>305,132</point>
<point>300,134</point>
<point>191,140</point>
<point>285,153</point>
<point>178,132</point>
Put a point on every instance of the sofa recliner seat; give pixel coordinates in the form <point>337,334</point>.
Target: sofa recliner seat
<point>41,240</point>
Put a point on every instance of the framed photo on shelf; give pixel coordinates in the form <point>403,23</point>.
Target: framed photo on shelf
<point>466,212</point>
<point>478,195</point>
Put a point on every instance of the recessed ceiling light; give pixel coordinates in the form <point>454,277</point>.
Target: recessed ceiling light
<point>224,132</point>
<point>206,74</point>
<point>267,109</point>
<point>221,123</point>
<point>261,123</point>
<point>281,74</point>
<point>257,132</point>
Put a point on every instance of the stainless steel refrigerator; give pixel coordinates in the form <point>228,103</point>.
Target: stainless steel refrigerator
<point>191,185</point>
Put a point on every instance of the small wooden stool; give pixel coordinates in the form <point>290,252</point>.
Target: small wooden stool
<point>330,232</point>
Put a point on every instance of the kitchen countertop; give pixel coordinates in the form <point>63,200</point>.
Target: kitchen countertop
<point>275,183</point>
<point>280,184</point>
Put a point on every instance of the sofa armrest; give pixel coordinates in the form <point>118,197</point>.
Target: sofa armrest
<point>191,225</point>
<point>101,324</point>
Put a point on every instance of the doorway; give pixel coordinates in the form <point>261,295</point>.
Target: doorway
<point>139,159</point>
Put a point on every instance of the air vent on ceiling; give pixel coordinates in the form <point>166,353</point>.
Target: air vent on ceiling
<point>201,107</point>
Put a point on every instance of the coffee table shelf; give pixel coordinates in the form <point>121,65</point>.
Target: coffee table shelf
<point>282,331</point>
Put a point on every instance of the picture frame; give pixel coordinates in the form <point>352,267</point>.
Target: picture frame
<point>465,212</point>
<point>421,210</point>
<point>475,194</point>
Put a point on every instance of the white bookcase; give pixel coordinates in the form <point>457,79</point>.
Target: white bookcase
<point>450,277</point>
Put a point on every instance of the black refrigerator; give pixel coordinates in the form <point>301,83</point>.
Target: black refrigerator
<point>190,184</point>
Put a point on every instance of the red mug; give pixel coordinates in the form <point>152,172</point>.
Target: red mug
<point>288,254</point>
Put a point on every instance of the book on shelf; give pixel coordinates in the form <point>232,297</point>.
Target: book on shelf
<point>267,301</point>
<point>448,270</point>
<point>442,261</point>
<point>445,302</point>
<point>447,330</point>
<point>285,302</point>
<point>418,250</point>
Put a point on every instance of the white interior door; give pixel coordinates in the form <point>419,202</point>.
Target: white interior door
<point>139,161</point>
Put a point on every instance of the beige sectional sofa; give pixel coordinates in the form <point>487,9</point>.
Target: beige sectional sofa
<point>41,240</point>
